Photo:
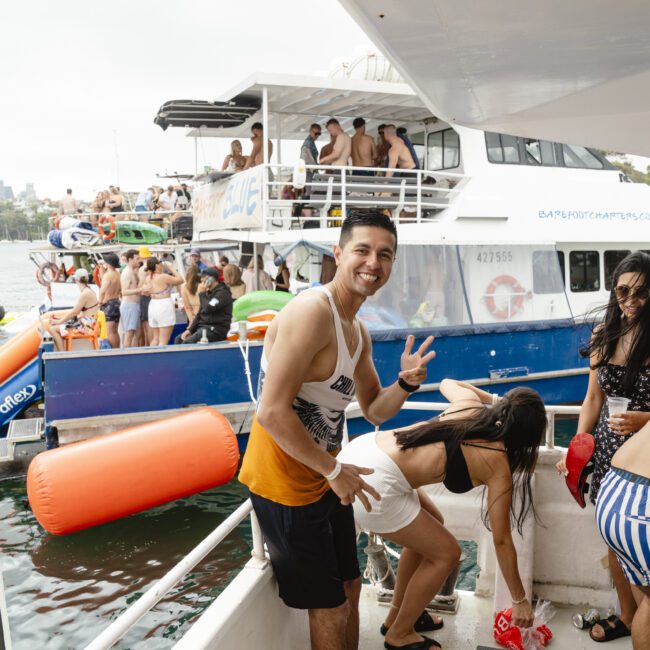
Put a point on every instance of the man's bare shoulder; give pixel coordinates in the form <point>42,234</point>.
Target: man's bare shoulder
<point>307,306</point>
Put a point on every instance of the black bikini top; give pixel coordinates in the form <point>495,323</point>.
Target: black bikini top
<point>457,478</point>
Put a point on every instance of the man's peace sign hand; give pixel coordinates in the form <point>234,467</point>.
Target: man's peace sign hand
<point>414,365</point>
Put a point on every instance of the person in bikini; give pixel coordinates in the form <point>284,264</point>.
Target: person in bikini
<point>81,317</point>
<point>469,445</point>
<point>161,277</point>
<point>109,297</point>
<point>300,492</point>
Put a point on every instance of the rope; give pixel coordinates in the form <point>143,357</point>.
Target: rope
<point>247,370</point>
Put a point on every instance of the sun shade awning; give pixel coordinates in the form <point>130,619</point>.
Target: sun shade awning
<point>198,114</point>
<point>295,101</point>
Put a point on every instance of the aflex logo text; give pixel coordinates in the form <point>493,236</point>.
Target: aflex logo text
<point>11,401</point>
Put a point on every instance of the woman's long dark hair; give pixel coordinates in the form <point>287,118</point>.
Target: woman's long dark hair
<point>519,420</point>
<point>606,335</point>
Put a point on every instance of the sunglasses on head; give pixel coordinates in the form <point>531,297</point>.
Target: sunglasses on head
<point>623,292</point>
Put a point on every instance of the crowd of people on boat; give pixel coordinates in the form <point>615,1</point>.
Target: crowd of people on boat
<point>139,296</point>
<point>390,150</point>
<point>172,201</point>
<point>308,493</point>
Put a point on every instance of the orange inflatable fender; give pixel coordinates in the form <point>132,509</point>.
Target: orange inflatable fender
<point>92,482</point>
<point>18,350</point>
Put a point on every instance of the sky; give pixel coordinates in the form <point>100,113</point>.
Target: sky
<point>81,82</point>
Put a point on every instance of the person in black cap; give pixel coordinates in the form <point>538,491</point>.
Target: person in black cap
<point>215,311</point>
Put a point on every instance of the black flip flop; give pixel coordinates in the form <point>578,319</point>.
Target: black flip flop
<point>425,644</point>
<point>617,629</point>
<point>425,623</point>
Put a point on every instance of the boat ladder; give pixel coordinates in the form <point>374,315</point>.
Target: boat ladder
<point>27,430</point>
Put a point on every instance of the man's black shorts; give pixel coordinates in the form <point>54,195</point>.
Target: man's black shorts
<point>111,309</point>
<point>313,549</point>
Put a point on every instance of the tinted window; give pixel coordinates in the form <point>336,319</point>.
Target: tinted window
<point>502,148</point>
<point>548,272</point>
<point>584,271</point>
<point>575,156</point>
<point>443,150</point>
<point>612,259</point>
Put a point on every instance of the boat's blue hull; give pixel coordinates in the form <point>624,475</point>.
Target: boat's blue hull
<point>153,379</point>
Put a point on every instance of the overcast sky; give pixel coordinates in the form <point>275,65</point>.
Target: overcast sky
<point>82,79</point>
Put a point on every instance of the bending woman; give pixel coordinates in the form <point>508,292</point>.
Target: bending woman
<point>619,361</point>
<point>468,445</point>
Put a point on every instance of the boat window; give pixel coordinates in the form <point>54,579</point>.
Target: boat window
<point>502,148</point>
<point>575,156</point>
<point>612,260</point>
<point>584,271</point>
<point>425,291</point>
<point>443,150</point>
<point>548,272</point>
<point>540,152</point>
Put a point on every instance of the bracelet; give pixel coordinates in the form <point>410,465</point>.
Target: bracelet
<point>518,602</point>
<point>495,398</point>
<point>409,388</point>
<point>334,473</point>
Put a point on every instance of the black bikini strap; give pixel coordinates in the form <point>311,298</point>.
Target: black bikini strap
<point>473,444</point>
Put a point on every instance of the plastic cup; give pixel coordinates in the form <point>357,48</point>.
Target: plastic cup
<point>617,405</point>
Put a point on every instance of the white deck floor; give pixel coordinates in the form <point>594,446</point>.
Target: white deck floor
<point>471,626</point>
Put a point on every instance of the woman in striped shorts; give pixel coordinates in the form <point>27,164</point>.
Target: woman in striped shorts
<point>623,517</point>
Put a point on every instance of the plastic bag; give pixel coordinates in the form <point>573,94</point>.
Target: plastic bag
<point>530,638</point>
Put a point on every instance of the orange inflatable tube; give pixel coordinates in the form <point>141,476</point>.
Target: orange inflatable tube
<point>18,351</point>
<point>91,482</point>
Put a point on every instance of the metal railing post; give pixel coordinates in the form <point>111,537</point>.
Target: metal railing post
<point>418,216</point>
<point>550,429</point>
<point>344,212</point>
<point>258,539</point>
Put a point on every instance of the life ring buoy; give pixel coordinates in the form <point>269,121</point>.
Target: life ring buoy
<point>46,273</point>
<point>517,299</point>
<point>111,220</point>
<point>98,274</point>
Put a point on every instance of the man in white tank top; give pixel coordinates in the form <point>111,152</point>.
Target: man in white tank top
<point>317,358</point>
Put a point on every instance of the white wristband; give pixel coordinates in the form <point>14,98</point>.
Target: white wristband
<point>495,398</point>
<point>334,473</point>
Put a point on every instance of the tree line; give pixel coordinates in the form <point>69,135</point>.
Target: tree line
<point>16,223</point>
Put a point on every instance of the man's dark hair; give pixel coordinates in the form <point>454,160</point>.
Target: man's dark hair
<point>359,218</point>
<point>257,126</point>
<point>401,130</point>
<point>358,122</point>
<point>331,121</point>
<point>130,254</point>
<point>69,191</point>
<point>112,260</point>
<point>315,125</point>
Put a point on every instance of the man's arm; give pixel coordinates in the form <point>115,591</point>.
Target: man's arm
<point>393,158</point>
<point>380,404</point>
<point>336,151</point>
<point>292,356</point>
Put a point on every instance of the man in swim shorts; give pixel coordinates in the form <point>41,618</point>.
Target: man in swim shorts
<point>109,297</point>
<point>130,307</point>
<point>300,492</point>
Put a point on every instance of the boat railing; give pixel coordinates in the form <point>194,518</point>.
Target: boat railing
<point>129,618</point>
<point>329,191</point>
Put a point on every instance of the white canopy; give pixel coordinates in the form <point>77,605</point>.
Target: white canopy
<point>295,101</point>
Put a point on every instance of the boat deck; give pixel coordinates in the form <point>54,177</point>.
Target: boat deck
<point>471,626</point>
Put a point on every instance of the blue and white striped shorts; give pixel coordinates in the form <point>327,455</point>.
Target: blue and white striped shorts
<point>623,518</point>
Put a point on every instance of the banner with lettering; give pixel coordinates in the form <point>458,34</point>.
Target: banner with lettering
<point>234,202</point>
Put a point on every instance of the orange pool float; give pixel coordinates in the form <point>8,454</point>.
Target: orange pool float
<point>95,481</point>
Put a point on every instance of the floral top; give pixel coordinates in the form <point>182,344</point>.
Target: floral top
<point>610,380</point>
